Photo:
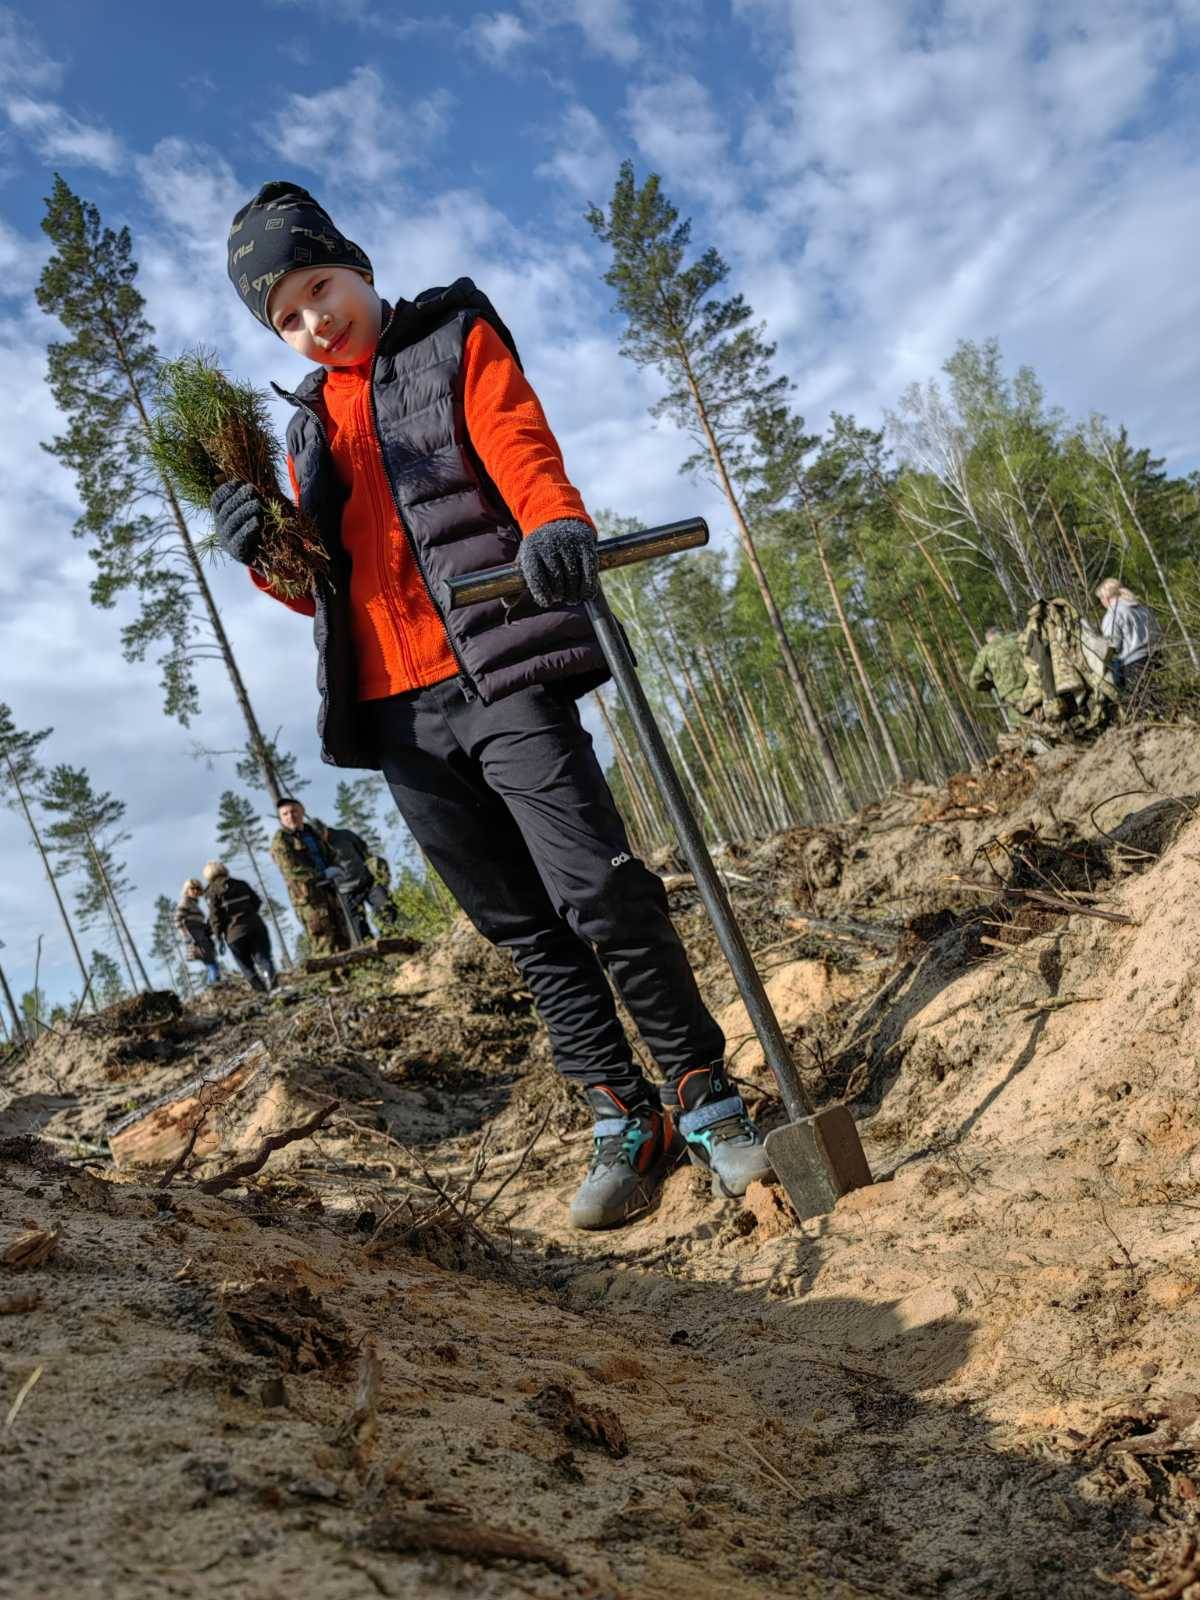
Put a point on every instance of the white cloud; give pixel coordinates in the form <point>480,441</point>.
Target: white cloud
<point>361,130</point>
<point>23,61</point>
<point>27,76</point>
<point>59,136</point>
<point>606,25</point>
<point>584,158</point>
<point>679,130</point>
<point>499,35</point>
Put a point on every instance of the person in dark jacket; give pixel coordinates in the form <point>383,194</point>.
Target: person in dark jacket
<point>233,909</point>
<point>421,452</point>
<point>359,884</point>
<point>195,934</point>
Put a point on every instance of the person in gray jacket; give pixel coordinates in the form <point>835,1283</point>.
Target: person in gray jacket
<point>195,934</point>
<point>1130,627</point>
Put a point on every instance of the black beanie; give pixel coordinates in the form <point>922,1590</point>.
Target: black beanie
<point>281,229</point>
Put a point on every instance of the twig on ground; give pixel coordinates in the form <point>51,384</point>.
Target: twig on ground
<point>1115,1237</point>
<point>525,1154</point>
<point>333,1022</point>
<point>275,1141</point>
<point>775,1472</point>
<point>1053,1002</point>
<point>22,1392</point>
<point>185,1155</point>
<point>358,1430</point>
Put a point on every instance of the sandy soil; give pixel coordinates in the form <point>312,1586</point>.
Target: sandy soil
<point>371,1370</point>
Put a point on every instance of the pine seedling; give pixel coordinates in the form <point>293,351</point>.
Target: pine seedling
<point>211,430</point>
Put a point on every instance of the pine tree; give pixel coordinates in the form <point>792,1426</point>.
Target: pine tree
<point>717,365</point>
<point>281,762</point>
<point>354,808</point>
<point>165,947</point>
<point>106,979</point>
<point>20,778</point>
<point>103,379</point>
<point>33,1012</point>
<point>84,837</point>
<point>240,832</point>
<point>820,493</point>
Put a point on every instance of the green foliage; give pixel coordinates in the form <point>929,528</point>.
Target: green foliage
<point>715,359</point>
<point>33,1010</point>
<point>240,829</point>
<point>423,903</point>
<point>164,944</point>
<point>106,979</point>
<point>354,808</point>
<point>210,430</point>
<point>19,769</point>
<point>283,763</point>
<point>102,378</point>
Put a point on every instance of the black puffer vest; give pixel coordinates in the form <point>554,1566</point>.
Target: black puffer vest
<point>451,512</point>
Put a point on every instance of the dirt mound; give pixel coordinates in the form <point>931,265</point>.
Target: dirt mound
<point>383,1364</point>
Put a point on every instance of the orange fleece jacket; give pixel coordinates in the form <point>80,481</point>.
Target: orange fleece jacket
<point>399,639</point>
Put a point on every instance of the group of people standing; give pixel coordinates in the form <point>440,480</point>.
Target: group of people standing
<point>332,876</point>
<point>1062,677</point>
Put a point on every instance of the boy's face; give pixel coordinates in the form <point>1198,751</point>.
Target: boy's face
<point>291,816</point>
<point>330,315</point>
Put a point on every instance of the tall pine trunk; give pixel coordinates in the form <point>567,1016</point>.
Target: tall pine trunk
<point>51,879</point>
<point>257,742</point>
<point>825,750</point>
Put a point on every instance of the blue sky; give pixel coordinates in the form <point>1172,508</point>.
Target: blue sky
<point>885,178</point>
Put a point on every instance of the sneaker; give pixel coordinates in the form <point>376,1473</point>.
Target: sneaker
<point>717,1130</point>
<point>635,1147</point>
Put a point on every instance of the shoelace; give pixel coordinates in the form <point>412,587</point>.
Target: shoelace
<point>735,1127</point>
<point>609,1148</point>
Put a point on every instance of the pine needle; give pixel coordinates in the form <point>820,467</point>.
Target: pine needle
<point>209,430</point>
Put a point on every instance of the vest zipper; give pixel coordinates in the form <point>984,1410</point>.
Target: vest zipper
<point>468,682</point>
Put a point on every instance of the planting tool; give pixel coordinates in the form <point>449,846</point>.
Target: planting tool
<point>817,1155</point>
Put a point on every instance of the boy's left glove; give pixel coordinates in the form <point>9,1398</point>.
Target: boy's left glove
<point>560,563</point>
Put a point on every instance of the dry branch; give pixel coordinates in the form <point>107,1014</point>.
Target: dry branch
<point>275,1141</point>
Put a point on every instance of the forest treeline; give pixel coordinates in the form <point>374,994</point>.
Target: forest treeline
<point>798,673</point>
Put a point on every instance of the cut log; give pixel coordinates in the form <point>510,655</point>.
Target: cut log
<point>374,951</point>
<point>157,1134</point>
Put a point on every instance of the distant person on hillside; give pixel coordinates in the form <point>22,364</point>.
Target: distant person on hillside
<point>303,851</point>
<point>1000,665</point>
<point>422,452</point>
<point>194,930</point>
<point>233,910</point>
<point>361,869</point>
<point>1130,627</point>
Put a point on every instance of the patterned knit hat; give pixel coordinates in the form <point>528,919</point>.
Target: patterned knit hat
<point>283,228</point>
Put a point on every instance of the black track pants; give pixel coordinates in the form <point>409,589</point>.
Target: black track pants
<point>512,809</point>
<point>252,950</point>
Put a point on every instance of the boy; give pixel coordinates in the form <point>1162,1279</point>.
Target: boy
<point>423,453</point>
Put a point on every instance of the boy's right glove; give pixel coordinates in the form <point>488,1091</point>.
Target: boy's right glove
<point>560,563</point>
<point>238,516</point>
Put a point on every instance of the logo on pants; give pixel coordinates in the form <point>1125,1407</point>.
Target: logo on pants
<point>619,861</point>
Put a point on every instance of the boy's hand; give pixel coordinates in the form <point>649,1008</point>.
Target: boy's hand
<point>560,564</point>
<point>238,515</point>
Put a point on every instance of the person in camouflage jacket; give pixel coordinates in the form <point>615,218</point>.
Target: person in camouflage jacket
<point>302,851</point>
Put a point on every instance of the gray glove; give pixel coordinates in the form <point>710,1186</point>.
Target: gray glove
<point>560,564</point>
<point>238,516</point>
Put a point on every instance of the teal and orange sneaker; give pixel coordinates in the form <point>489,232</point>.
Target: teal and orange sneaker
<point>717,1129</point>
<point>635,1147</point>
